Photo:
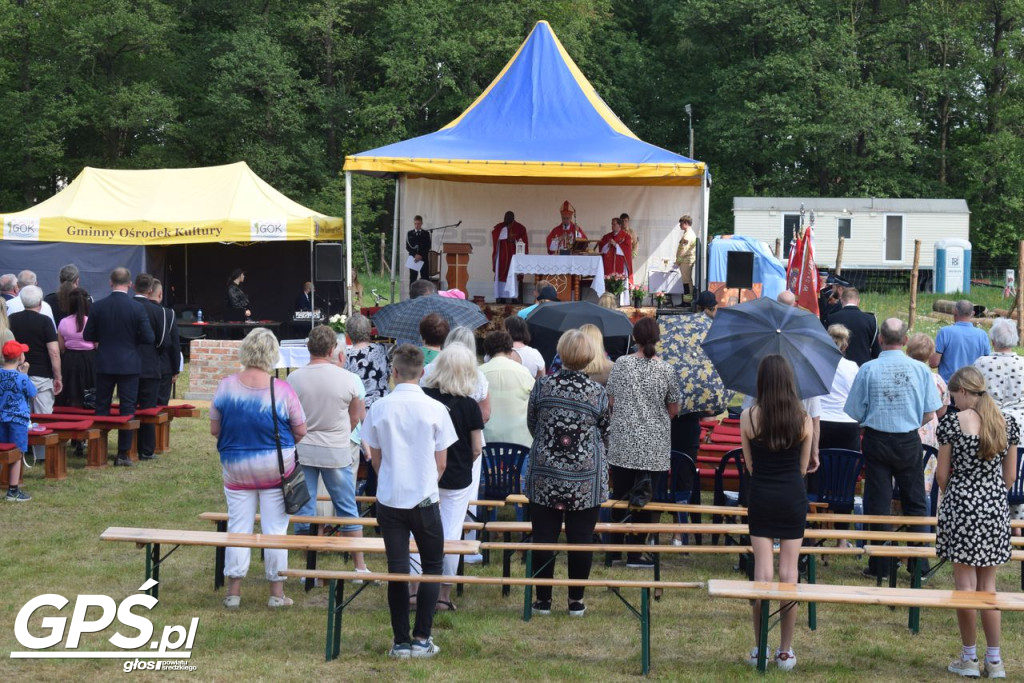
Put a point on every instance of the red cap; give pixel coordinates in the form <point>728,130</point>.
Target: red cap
<point>13,349</point>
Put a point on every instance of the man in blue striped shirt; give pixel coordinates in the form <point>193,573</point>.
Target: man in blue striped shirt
<point>891,397</point>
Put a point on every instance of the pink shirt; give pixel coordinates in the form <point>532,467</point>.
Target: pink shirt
<point>72,337</point>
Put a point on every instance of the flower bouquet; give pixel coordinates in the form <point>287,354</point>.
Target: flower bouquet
<point>615,283</point>
<point>337,322</point>
<point>637,294</point>
<point>659,298</point>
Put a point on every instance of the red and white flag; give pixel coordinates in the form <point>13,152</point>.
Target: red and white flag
<point>802,274</point>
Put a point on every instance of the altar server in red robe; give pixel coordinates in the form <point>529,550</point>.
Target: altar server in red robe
<point>616,248</point>
<point>504,236</point>
<point>562,237</point>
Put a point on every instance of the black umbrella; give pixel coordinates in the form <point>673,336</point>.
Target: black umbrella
<point>402,320</point>
<point>742,335</point>
<point>547,322</point>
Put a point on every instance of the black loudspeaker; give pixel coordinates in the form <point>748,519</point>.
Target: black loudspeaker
<point>739,270</point>
<point>330,264</point>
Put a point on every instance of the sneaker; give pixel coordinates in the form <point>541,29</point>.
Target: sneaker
<point>276,602</point>
<point>964,667</point>
<point>364,570</point>
<point>785,661</point>
<point>147,456</point>
<point>18,496</point>
<point>474,559</point>
<point>640,563</point>
<point>424,649</point>
<point>677,541</point>
<point>752,657</point>
<point>577,608</point>
<point>232,601</point>
<point>541,607</point>
<point>400,651</point>
<point>123,461</point>
<point>994,669</point>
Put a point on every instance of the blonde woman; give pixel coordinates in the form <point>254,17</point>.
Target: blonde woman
<point>839,430</point>
<point>5,326</point>
<point>452,382</point>
<point>977,465</point>
<point>242,419</point>
<point>600,367</point>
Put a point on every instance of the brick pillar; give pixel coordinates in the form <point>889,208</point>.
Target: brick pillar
<point>210,361</point>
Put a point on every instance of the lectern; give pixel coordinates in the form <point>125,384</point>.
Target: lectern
<point>457,257</point>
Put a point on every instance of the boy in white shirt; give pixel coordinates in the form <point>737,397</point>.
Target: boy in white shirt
<point>407,435</point>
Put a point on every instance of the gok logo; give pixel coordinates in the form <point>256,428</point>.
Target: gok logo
<point>268,229</point>
<point>175,641</point>
<point>21,228</point>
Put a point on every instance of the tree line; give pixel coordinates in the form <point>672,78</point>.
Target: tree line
<point>883,98</point>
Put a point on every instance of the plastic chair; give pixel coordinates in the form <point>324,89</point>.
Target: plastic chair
<point>837,478</point>
<point>732,459</point>
<point>501,473</point>
<point>1015,496</point>
<point>684,470</point>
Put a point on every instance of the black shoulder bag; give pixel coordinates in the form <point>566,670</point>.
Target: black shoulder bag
<point>293,487</point>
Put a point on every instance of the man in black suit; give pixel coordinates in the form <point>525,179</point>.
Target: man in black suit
<point>830,297</point>
<point>169,345</point>
<point>120,325</point>
<point>417,244</point>
<point>862,326</point>
<point>304,301</point>
<point>149,374</point>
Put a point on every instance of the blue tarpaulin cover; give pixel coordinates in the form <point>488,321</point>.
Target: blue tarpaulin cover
<point>539,118</point>
<point>767,269</point>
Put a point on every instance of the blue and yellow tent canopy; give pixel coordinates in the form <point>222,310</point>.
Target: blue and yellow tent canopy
<point>540,120</point>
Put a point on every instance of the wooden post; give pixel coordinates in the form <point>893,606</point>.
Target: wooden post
<point>913,282</point>
<point>1019,308</point>
<point>383,262</point>
<point>778,247</point>
<point>839,256</point>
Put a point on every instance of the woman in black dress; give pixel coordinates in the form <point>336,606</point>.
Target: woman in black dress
<point>238,302</point>
<point>776,435</point>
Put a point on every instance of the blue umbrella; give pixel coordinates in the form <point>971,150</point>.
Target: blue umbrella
<point>402,320</point>
<point>742,335</point>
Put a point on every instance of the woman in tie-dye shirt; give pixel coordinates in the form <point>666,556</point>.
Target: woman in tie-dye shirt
<point>242,420</point>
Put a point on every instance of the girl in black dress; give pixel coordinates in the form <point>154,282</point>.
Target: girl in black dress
<point>776,435</point>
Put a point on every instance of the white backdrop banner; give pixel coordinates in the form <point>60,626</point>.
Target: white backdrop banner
<point>654,214</point>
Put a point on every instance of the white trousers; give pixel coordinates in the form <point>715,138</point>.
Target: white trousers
<point>241,518</point>
<point>475,486</point>
<point>453,504</point>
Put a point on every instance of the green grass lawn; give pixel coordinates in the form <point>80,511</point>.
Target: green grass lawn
<point>51,545</point>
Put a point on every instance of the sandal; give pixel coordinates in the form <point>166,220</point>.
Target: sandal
<point>449,606</point>
<point>279,602</point>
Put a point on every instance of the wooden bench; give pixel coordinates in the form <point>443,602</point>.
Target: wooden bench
<point>9,454</point>
<point>152,539</point>
<point>855,595</point>
<point>336,602</point>
<point>316,524</point>
<point>915,557</point>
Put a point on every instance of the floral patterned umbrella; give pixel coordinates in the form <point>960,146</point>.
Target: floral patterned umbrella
<point>701,387</point>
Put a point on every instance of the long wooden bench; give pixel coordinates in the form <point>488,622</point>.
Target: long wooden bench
<point>336,602</point>
<point>316,524</point>
<point>152,539</point>
<point>855,595</point>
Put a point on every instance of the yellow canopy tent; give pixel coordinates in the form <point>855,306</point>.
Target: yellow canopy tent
<point>169,206</point>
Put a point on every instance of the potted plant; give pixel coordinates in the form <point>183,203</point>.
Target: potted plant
<point>337,323</point>
<point>615,283</point>
<point>637,295</point>
<point>659,298</point>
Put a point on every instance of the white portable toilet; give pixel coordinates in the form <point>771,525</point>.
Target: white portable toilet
<point>952,266</point>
